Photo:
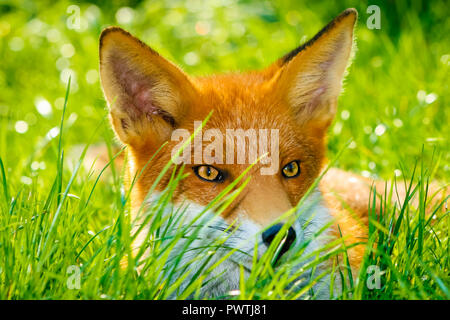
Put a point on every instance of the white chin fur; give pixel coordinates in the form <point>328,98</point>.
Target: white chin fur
<point>225,277</point>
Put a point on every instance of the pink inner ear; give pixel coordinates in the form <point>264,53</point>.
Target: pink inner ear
<point>316,98</point>
<point>137,98</point>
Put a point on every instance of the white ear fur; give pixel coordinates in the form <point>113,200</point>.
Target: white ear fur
<point>311,76</point>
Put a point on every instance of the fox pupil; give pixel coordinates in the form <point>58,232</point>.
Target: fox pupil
<point>291,170</point>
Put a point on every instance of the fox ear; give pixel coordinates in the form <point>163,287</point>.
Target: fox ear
<point>147,95</point>
<point>310,77</point>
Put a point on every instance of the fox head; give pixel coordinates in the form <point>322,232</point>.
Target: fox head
<point>149,98</point>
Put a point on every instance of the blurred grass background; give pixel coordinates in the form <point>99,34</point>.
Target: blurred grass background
<point>396,95</point>
<point>395,100</point>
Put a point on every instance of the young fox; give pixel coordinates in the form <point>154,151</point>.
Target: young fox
<point>150,99</point>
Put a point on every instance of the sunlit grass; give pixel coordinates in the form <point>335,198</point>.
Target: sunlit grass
<point>43,236</point>
<point>55,214</point>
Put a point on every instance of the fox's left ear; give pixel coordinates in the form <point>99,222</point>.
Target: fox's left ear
<point>310,77</point>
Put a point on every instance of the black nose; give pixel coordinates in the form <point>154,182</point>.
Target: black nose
<point>270,234</point>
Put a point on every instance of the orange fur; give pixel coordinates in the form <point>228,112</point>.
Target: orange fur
<point>296,96</point>
<point>149,97</point>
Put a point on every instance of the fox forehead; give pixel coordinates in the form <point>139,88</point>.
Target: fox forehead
<point>235,99</point>
<point>149,98</point>
<point>249,101</point>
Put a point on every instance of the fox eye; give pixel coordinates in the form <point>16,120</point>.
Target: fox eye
<point>208,173</point>
<point>291,170</point>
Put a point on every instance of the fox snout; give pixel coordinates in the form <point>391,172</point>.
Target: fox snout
<point>289,238</point>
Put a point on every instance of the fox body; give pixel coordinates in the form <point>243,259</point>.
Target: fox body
<point>150,98</point>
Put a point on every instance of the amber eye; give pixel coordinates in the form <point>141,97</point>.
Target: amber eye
<point>291,170</point>
<point>208,173</point>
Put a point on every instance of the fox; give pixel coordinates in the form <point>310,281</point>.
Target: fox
<point>149,98</point>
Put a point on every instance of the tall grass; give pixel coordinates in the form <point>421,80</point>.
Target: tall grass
<point>48,238</point>
<point>56,214</point>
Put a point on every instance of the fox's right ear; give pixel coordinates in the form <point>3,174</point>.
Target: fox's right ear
<point>147,95</point>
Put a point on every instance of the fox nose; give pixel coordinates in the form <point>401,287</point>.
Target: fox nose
<point>270,234</point>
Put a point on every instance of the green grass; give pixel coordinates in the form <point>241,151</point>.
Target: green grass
<point>55,214</point>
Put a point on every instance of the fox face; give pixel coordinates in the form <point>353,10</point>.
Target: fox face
<point>294,99</point>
